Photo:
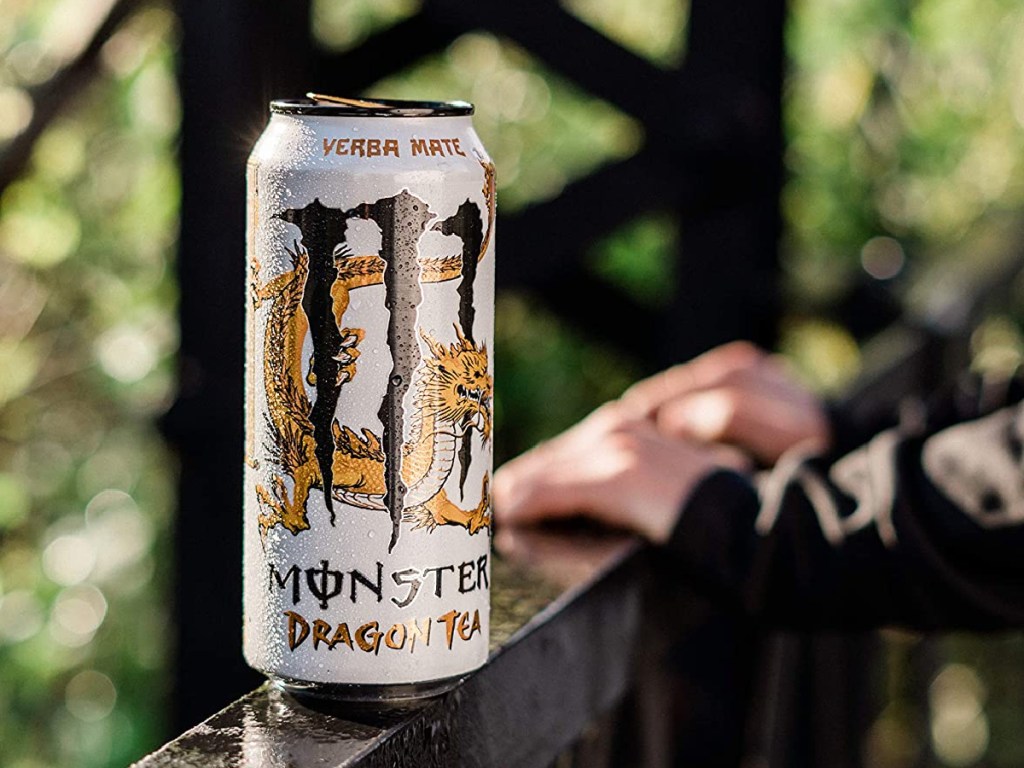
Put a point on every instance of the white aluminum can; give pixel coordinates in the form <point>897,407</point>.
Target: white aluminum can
<point>369,380</point>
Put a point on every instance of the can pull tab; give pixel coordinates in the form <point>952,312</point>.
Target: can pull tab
<point>346,101</point>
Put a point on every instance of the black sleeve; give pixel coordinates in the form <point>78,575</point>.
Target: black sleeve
<point>925,531</point>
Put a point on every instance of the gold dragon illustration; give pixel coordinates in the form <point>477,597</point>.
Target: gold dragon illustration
<point>452,393</point>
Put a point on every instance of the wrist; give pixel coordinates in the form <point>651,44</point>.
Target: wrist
<point>658,525</point>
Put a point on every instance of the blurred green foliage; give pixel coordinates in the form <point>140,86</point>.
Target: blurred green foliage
<point>339,26</point>
<point>903,119</point>
<point>655,29</point>
<point>904,125</point>
<point>905,128</point>
<point>87,331</point>
<point>541,134</point>
<point>640,258</point>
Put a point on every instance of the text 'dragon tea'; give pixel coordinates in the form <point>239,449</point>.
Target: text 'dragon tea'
<point>369,380</point>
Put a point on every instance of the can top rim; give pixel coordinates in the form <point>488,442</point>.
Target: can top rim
<point>316,104</point>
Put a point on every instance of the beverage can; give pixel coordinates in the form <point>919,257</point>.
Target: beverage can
<point>369,381</point>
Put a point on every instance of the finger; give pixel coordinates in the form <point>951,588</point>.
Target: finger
<point>526,494</point>
<point>760,423</point>
<point>776,374</point>
<point>581,437</point>
<point>512,543</point>
<point>520,485</point>
<point>711,369</point>
<point>683,450</point>
<point>570,477</point>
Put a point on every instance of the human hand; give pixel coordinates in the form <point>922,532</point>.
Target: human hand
<point>736,394</point>
<point>612,466</point>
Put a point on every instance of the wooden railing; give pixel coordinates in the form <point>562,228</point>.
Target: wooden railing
<point>566,628</point>
<point>588,628</point>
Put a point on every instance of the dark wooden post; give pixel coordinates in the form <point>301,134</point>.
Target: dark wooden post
<point>728,152</point>
<point>236,55</point>
<point>730,147</point>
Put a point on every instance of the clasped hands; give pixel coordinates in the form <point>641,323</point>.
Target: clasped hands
<point>635,461</point>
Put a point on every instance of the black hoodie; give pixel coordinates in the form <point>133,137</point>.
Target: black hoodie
<point>920,526</point>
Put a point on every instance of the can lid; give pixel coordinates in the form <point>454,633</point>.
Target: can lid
<point>338,106</point>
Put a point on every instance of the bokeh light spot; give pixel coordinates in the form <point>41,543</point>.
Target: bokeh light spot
<point>118,531</point>
<point>90,696</point>
<point>29,63</point>
<point>882,257</point>
<point>60,153</point>
<point>997,348</point>
<point>959,726</point>
<point>77,613</point>
<point>126,353</point>
<point>21,616</point>
<point>35,229</point>
<point>69,559</point>
<point>15,112</point>
<point>823,352</point>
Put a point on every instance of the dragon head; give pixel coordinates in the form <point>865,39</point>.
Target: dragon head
<point>455,384</point>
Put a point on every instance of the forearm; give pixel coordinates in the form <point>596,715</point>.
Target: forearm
<point>901,531</point>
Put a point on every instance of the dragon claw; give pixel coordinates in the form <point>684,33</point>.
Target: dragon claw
<point>482,518</point>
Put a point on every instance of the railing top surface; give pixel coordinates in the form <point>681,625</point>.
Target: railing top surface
<point>565,611</point>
